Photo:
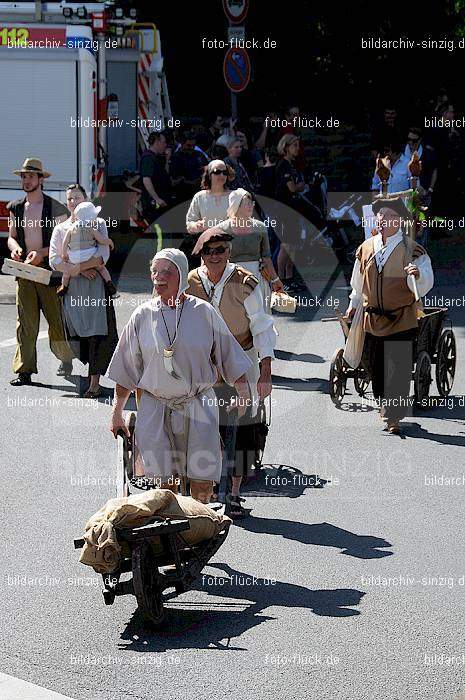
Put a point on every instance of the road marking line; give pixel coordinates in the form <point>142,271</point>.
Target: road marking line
<point>12,688</point>
<point>12,341</point>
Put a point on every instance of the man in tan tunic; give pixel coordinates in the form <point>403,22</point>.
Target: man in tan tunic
<point>387,268</point>
<point>172,349</point>
<point>236,294</point>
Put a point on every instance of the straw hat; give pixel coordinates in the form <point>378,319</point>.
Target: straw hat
<point>32,165</point>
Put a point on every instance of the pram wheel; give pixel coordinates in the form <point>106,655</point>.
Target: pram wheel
<point>337,377</point>
<point>361,380</point>
<point>445,362</point>
<point>422,378</point>
<point>146,582</point>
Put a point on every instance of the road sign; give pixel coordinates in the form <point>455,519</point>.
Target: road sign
<point>236,69</point>
<point>237,33</point>
<point>236,10</point>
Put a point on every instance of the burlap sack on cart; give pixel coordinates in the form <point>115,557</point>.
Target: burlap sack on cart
<point>355,340</point>
<point>103,552</point>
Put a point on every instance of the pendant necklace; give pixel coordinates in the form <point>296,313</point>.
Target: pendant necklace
<point>169,351</point>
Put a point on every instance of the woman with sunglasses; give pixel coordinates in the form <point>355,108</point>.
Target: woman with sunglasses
<point>209,206</point>
<point>250,243</point>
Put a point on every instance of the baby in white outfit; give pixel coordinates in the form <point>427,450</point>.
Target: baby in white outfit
<point>81,244</point>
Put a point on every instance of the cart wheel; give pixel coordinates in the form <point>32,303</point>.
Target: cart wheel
<point>146,581</point>
<point>337,377</point>
<point>445,362</point>
<point>422,377</point>
<point>361,381</point>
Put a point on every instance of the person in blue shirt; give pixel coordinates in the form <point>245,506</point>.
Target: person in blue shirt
<point>399,179</point>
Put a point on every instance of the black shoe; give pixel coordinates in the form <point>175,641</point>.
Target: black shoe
<point>65,369</point>
<point>23,378</point>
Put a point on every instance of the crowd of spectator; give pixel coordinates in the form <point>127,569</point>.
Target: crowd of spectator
<point>440,145</point>
<point>271,158</point>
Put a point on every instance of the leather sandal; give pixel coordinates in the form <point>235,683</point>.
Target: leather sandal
<point>91,394</point>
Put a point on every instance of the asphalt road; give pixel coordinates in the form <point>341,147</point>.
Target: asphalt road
<point>358,588</point>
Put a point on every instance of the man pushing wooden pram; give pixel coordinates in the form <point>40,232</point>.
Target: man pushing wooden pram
<point>391,273</point>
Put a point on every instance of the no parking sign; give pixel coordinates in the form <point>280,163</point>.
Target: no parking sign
<point>236,10</point>
<point>236,69</point>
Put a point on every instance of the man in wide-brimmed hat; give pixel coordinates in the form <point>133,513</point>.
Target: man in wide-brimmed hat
<point>390,270</point>
<point>31,222</point>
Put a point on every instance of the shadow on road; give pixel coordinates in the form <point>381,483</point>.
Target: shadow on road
<point>207,627</point>
<point>296,384</point>
<point>414,430</point>
<point>280,480</point>
<point>302,357</point>
<point>322,534</point>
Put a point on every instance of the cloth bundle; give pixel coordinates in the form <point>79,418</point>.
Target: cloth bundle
<point>103,552</point>
<point>280,301</point>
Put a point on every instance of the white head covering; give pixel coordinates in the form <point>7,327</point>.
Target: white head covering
<point>235,199</point>
<point>178,258</point>
<point>86,212</point>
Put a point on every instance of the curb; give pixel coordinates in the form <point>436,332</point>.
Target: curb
<point>7,298</point>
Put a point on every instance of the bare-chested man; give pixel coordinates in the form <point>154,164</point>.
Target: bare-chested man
<point>31,223</point>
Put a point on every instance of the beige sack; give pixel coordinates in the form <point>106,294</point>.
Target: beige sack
<point>101,549</point>
<point>356,339</point>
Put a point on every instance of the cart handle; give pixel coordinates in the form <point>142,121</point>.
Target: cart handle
<point>126,438</point>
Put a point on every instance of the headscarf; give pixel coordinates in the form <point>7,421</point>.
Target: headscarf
<point>235,199</point>
<point>178,258</point>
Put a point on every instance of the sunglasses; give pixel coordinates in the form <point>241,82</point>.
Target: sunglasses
<point>206,250</point>
<point>219,172</point>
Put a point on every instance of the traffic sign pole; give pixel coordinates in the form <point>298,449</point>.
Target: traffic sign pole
<point>236,14</point>
<point>234,113</point>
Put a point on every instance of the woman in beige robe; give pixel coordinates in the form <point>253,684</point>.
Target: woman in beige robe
<point>176,430</point>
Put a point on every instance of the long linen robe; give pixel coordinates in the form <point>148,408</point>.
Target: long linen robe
<point>203,346</point>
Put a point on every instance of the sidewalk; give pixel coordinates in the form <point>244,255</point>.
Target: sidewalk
<point>7,289</point>
<point>16,689</point>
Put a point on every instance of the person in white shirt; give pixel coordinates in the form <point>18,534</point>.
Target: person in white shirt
<point>236,295</point>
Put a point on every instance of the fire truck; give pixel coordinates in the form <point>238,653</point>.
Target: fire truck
<point>82,87</point>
